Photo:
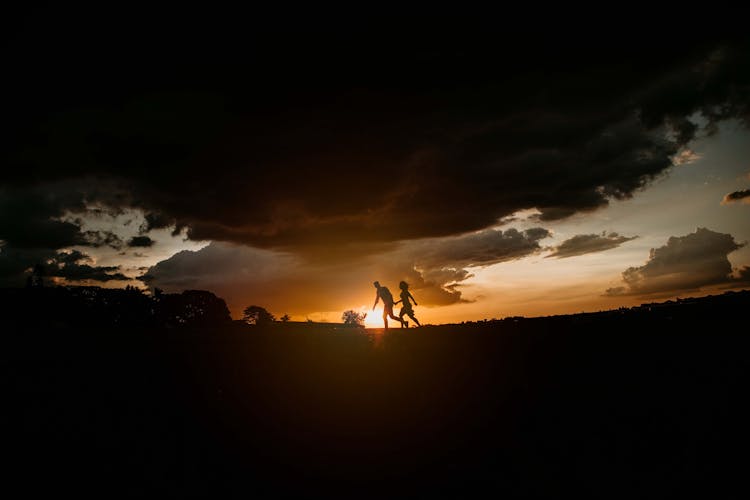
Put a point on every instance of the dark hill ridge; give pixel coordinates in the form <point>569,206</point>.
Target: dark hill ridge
<point>645,402</point>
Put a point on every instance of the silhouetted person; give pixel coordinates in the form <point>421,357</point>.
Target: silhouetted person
<point>406,309</point>
<point>385,294</point>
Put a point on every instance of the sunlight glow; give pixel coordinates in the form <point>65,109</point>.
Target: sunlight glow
<point>374,319</point>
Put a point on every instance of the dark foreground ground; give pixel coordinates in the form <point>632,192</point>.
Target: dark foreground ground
<point>626,404</point>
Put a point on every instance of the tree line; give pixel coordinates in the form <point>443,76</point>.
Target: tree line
<point>257,315</point>
<point>130,306</point>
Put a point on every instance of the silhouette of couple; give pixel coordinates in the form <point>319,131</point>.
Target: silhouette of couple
<point>382,293</point>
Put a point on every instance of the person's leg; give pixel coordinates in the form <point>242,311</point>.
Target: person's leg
<point>411,315</point>
<point>388,312</point>
<point>396,317</point>
<point>385,318</point>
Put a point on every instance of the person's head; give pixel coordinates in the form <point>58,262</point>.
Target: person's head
<point>403,285</point>
<point>376,284</point>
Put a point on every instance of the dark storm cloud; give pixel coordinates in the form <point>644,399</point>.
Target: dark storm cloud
<point>101,239</point>
<point>737,197</point>
<point>685,263</point>
<point>73,266</point>
<point>582,244</point>
<point>15,264</point>
<point>155,221</point>
<point>85,272</point>
<point>29,217</point>
<point>304,138</point>
<point>48,216</point>
<point>72,257</point>
<point>140,241</point>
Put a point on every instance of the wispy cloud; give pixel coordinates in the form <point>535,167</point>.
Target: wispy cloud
<point>582,244</point>
<point>685,156</point>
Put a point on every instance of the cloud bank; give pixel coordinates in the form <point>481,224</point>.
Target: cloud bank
<point>685,263</point>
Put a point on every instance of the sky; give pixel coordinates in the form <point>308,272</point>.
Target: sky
<point>290,164</point>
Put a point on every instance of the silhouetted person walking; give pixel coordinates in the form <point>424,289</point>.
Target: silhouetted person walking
<point>385,294</point>
<point>406,309</point>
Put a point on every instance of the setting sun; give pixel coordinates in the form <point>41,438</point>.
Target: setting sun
<point>374,319</point>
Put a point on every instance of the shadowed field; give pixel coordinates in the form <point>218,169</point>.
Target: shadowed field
<point>640,402</point>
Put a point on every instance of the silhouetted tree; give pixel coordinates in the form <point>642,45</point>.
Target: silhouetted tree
<point>192,307</point>
<point>256,315</point>
<point>285,318</point>
<point>353,318</point>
